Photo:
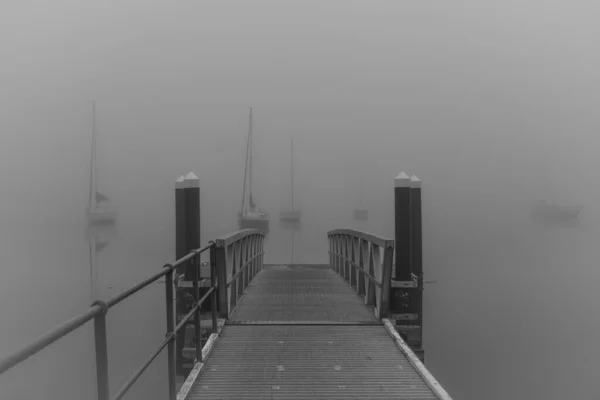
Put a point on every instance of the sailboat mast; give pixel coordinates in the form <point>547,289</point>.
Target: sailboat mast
<point>292,247</point>
<point>93,261</point>
<point>92,199</point>
<point>292,169</point>
<point>250,158</point>
<point>245,171</point>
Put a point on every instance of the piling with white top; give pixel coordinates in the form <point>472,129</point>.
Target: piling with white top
<point>402,227</point>
<point>406,301</point>
<point>191,195</point>
<point>417,263</point>
<point>179,219</point>
<point>187,238</point>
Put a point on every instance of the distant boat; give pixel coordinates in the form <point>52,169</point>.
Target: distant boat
<point>251,216</point>
<point>97,242</point>
<point>100,209</point>
<point>292,214</point>
<point>292,263</point>
<point>551,211</point>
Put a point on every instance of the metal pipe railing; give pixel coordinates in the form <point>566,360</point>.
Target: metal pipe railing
<point>98,311</point>
<point>354,254</point>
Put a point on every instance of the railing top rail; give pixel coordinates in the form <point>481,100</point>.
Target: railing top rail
<point>375,239</point>
<point>49,337</point>
<point>235,236</point>
<point>166,269</point>
<point>95,309</point>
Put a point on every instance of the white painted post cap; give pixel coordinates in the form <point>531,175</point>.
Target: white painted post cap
<point>402,180</point>
<point>191,181</point>
<point>179,182</point>
<point>415,182</point>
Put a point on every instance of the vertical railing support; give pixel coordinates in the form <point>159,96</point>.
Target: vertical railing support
<point>221,267</point>
<point>370,298</point>
<point>386,278</point>
<point>235,263</point>
<point>197,330</point>
<point>353,256</point>
<point>262,252</point>
<point>213,283</point>
<point>360,288</point>
<point>255,245</point>
<point>334,255</point>
<point>346,258</point>
<point>101,351</point>
<point>171,355</point>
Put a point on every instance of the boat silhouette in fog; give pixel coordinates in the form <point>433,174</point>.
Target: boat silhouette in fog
<point>251,217</point>
<point>555,212</point>
<point>292,214</point>
<point>100,210</point>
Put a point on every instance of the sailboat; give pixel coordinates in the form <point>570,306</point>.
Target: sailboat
<point>97,242</point>
<point>292,214</point>
<point>361,213</point>
<point>555,212</point>
<point>99,206</point>
<point>293,261</point>
<point>251,216</point>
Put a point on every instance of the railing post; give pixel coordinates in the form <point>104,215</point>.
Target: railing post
<point>339,252</point>
<point>333,250</point>
<point>213,284</point>
<point>101,351</point>
<point>197,328</point>
<point>353,257</point>
<point>255,244</point>
<point>171,356</point>
<point>259,249</point>
<point>370,298</point>
<point>346,258</point>
<point>235,263</point>
<point>262,252</point>
<point>386,280</point>
<point>221,267</point>
<point>360,288</point>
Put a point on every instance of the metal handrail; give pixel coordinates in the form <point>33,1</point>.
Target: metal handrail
<point>99,309</point>
<point>358,270</point>
<point>369,237</point>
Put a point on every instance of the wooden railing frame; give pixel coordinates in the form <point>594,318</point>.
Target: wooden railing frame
<point>365,261</point>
